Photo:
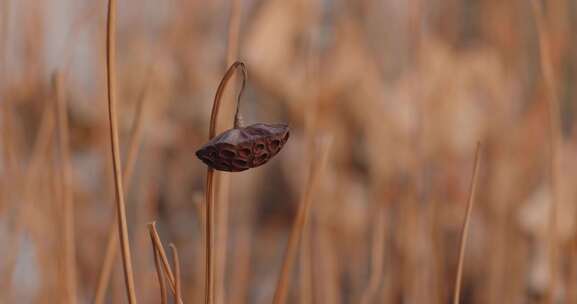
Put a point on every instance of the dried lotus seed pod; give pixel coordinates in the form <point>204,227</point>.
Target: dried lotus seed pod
<point>242,148</point>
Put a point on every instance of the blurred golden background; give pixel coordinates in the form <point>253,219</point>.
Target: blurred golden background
<point>395,94</point>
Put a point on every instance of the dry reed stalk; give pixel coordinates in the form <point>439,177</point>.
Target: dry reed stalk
<point>32,39</point>
<point>222,179</point>
<point>177,283</point>
<point>39,152</point>
<point>328,277</point>
<point>117,289</point>
<point>305,269</point>
<point>439,252</point>
<point>466,222</point>
<point>66,190</point>
<point>56,200</point>
<point>4,104</point>
<point>377,257</point>
<point>159,273</point>
<point>112,243</point>
<point>572,275</point>
<point>208,229</point>
<point>316,167</point>
<point>56,264</point>
<point>209,195</point>
<point>312,125</point>
<point>555,142</point>
<point>121,207</point>
<point>242,268</point>
<point>499,252</point>
<point>204,238</point>
<point>163,258</point>
<point>7,158</point>
<point>75,30</point>
<point>423,218</point>
<point>4,22</point>
<point>8,154</point>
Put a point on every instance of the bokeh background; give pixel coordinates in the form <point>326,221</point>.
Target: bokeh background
<point>398,93</point>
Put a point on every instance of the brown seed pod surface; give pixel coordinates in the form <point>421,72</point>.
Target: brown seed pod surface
<point>239,149</point>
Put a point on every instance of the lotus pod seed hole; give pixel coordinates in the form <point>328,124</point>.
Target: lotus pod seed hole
<point>259,147</point>
<point>244,152</point>
<point>226,153</point>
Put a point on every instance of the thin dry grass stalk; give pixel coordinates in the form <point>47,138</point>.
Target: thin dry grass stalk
<point>39,154</point>
<point>66,190</point>
<point>177,283</point>
<point>316,167</point>
<point>6,138</point>
<point>305,269</point>
<point>466,222</point>
<point>163,258</point>
<point>209,195</point>
<point>112,243</point>
<point>159,272</point>
<point>8,153</point>
<point>4,22</point>
<point>55,217</point>
<point>121,207</point>
<point>555,142</point>
<point>5,104</point>
<point>377,257</point>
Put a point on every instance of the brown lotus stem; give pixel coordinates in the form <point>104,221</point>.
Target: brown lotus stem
<point>220,91</point>
<point>209,259</point>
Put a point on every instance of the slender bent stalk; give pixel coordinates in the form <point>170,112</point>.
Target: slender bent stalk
<point>112,243</point>
<point>159,274</point>
<point>209,195</point>
<point>157,243</point>
<point>120,205</point>
<point>466,222</point>
<point>176,260</point>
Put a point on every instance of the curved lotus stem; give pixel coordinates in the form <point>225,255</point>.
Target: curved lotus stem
<point>209,199</point>
<point>220,91</point>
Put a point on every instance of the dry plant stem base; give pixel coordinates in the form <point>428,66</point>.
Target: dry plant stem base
<point>316,167</point>
<point>121,208</point>
<point>465,230</point>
